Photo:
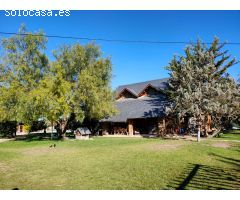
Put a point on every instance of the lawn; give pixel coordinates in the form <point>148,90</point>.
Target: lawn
<point>121,163</point>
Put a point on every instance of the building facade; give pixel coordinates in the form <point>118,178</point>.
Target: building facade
<point>141,109</point>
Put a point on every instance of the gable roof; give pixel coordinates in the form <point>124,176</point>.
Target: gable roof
<point>128,90</point>
<point>137,88</point>
<point>142,107</point>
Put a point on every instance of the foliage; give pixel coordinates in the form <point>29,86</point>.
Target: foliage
<point>88,76</point>
<point>27,127</point>
<point>38,125</point>
<point>23,65</point>
<point>82,89</point>
<point>200,86</point>
<point>76,83</point>
<point>8,128</point>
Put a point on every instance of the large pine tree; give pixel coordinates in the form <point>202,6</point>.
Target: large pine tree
<point>199,85</point>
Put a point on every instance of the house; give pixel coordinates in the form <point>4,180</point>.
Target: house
<point>141,109</point>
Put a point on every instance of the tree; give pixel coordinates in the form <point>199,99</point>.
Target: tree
<point>23,65</point>
<point>199,85</point>
<point>51,99</point>
<point>238,105</point>
<point>76,83</point>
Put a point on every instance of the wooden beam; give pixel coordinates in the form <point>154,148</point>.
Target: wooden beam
<point>130,127</point>
<point>161,124</point>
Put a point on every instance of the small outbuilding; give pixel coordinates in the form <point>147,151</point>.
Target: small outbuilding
<point>82,133</point>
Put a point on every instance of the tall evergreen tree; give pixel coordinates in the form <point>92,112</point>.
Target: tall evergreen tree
<point>199,85</point>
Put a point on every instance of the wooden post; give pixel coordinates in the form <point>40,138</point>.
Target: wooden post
<point>164,125</point>
<point>130,127</point>
<point>161,124</point>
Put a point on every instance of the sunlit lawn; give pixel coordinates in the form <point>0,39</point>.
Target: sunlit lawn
<point>121,163</point>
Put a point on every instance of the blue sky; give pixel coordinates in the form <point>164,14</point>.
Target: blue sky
<point>137,62</point>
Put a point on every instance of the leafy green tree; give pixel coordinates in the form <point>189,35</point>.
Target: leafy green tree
<point>51,99</point>
<point>88,75</point>
<point>76,83</point>
<point>199,85</point>
<point>23,64</point>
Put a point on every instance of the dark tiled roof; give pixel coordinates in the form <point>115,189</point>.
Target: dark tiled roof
<point>130,90</point>
<point>136,88</point>
<point>142,107</point>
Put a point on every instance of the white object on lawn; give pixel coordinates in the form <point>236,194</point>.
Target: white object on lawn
<point>198,135</point>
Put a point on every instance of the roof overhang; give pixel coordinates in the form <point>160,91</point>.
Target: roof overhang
<point>149,85</point>
<point>128,90</point>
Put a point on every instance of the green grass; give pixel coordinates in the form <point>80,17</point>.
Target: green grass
<point>120,163</point>
<point>230,135</point>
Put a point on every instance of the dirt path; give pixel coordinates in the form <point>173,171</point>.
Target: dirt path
<point>5,140</point>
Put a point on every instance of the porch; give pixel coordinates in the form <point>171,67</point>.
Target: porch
<point>134,127</point>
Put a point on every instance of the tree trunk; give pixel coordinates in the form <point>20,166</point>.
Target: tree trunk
<point>206,133</point>
<point>216,132</point>
<point>62,128</point>
<point>52,131</point>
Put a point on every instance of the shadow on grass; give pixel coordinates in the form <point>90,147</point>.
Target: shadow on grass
<point>41,137</point>
<point>203,177</point>
<point>33,137</point>
<point>231,161</point>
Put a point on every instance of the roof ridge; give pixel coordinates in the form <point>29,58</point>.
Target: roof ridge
<point>142,82</point>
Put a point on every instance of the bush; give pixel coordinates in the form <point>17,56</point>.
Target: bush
<point>38,125</point>
<point>8,128</point>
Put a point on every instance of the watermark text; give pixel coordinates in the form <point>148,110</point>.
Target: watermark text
<point>37,13</point>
